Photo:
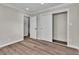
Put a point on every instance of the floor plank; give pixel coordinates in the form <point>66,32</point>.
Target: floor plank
<point>37,47</point>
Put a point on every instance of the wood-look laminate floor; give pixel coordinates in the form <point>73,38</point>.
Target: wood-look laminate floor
<point>37,47</point>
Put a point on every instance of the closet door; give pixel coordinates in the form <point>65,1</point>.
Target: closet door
<point>60,27</point>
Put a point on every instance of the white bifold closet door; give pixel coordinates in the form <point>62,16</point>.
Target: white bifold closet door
<point>33,27</point>
<point>60,26</point>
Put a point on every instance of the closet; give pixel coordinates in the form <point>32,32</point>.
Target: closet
<point>60,27</point>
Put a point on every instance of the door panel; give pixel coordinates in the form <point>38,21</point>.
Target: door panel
<point>33,27</point>
<point>44,27</point>
<point>60,27</point>
<point>25,26</point>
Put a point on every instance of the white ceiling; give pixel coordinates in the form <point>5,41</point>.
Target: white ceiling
<point>33,7</point>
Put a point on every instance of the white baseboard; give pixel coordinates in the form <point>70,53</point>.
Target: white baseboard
<point>72,46</point>
<point>6,44</point>
<point>45,40</point>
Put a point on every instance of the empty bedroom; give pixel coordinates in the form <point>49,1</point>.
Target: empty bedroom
<point>39,28</point>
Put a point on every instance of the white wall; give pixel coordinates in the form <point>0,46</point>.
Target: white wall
<point>74,27</point>
<point>73,31</point>
<point>11,26</point>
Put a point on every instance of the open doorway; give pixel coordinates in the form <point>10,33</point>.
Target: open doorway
<point>60,28</point>
<point>26,26</point>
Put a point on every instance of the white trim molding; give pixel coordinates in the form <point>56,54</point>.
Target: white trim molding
<point>60,11</point>
<point>52,8</point>
<point>39,11</point>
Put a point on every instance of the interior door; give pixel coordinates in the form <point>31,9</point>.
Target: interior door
<point>33,27</point>
<point>60,26</point>
<point>41,26</point>
<point>44,27</point>
<point>25,26</point>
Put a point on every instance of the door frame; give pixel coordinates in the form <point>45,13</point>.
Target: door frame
<point>28,25</point>
<point>61,11</point>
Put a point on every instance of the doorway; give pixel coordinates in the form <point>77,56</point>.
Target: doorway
<point>26,26</point>
<point>60,28</point>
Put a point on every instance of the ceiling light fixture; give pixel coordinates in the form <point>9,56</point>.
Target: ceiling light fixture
<point>42,3</point>
<point>27,8</point>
